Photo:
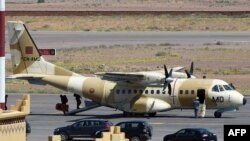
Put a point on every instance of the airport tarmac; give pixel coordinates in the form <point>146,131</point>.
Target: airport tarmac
<point>72,39</point>
<point>44,118</point>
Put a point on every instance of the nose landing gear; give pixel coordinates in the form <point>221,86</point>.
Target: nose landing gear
<point>217,114</point>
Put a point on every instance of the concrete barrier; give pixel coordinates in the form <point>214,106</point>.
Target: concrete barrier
<point>114,134</point>
<point>12,122</point>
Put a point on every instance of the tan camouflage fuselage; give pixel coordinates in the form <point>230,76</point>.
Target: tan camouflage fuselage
<point>28,64</point>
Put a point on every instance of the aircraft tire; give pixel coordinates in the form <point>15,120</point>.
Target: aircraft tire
<point>217,114</point>
<point>125,114</point>
<point>152,114</point>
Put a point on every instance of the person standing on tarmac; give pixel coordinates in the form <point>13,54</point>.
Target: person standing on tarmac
<point>78,100</point>
<point>64,101</point>
<point>196,104</point>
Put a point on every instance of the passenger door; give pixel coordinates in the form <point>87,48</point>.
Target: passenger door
<point>76,129</point>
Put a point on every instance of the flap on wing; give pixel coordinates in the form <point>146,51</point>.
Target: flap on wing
<point>31,78</point>
<point>120,76</point>
<point>25,76</point>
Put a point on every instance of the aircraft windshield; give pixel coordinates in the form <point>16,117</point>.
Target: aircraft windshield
<point>220,88</point>
<point>227,87</point>
<point>215,88</point>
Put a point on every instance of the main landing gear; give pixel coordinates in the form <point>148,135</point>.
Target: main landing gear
<point>128,114</point>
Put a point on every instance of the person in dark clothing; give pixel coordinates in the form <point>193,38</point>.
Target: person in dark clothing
<point>78,100</point>
<point>196,104</point>
<point>64,101</point>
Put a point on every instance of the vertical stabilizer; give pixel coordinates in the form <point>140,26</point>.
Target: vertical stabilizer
<point>26,58</point>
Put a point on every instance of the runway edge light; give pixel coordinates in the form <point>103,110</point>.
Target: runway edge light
<point>2,54</point>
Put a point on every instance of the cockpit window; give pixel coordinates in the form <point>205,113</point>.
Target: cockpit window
<point>215,88</point>
<point>221,88</point>
<point>227,87</point>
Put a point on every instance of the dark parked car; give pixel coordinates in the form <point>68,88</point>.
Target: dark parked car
<point>134,130</point>
<point>82,129</point>
<point>191,134</point>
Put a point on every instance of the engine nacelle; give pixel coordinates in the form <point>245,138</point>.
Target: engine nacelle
<point>149,105</point>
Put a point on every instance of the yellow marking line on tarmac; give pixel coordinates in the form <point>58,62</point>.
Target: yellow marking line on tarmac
<point>157,123</point>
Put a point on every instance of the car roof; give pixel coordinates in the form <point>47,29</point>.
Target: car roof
<point>92,120</point>
<point>197,129</point>
<point>141,121</point>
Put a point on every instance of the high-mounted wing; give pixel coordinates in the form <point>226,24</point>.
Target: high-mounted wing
<point>121,76</point>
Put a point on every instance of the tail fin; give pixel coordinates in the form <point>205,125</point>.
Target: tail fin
<point>26,58</point>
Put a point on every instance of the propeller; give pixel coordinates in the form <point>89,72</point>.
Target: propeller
<point>168,80</point>
<point>231,84</point>
<point>191,71</point>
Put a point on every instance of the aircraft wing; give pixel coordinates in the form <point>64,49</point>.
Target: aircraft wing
<point>177,69</point>
<point>121,76</point>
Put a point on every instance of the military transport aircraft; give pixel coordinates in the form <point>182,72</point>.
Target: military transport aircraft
<point>131,97</point>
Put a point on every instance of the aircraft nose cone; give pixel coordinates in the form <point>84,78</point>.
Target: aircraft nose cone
<point>244,101</point>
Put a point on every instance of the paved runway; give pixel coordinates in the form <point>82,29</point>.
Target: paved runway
<point>58,39</point>
<point>44,118</point>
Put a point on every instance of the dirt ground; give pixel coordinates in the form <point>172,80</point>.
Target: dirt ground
<point>130,5</point>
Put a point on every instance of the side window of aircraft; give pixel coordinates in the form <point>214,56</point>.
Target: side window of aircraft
<point>152,91</point>
<point>135,91</point>
<point>227,87</point>
<point>129,91</point>
<point>158,91</point>
<point>123,91</point>
<point>192,91</point>
<point>221,88</point>
<point>117,91</point>
<point>215,88</point>
<point>181,91</point>
<point>146,91</point>
<point>140,91</point>
<point>186,91</point>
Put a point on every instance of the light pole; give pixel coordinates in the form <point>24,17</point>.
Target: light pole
<point>2,54</point>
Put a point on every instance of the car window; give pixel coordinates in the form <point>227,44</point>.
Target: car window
<point>87,123</point>
<point>134,125</point>
<point>122,125</point>
<point>78,125</point>
<point>181,132</point>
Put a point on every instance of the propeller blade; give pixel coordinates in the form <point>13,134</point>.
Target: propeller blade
<point>188,74</point>
<point>191,71</point>
<point>165,86</point>
<point>169,89</point>
<point>166,71</point>
<point>231,84</point>
<point>170,73</point>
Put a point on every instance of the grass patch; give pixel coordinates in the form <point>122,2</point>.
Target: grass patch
<point>194,22</point>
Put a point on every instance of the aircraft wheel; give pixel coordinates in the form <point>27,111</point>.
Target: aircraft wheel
<point>217,114</point>
<point>152,114</point>
<point>125,114</point>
